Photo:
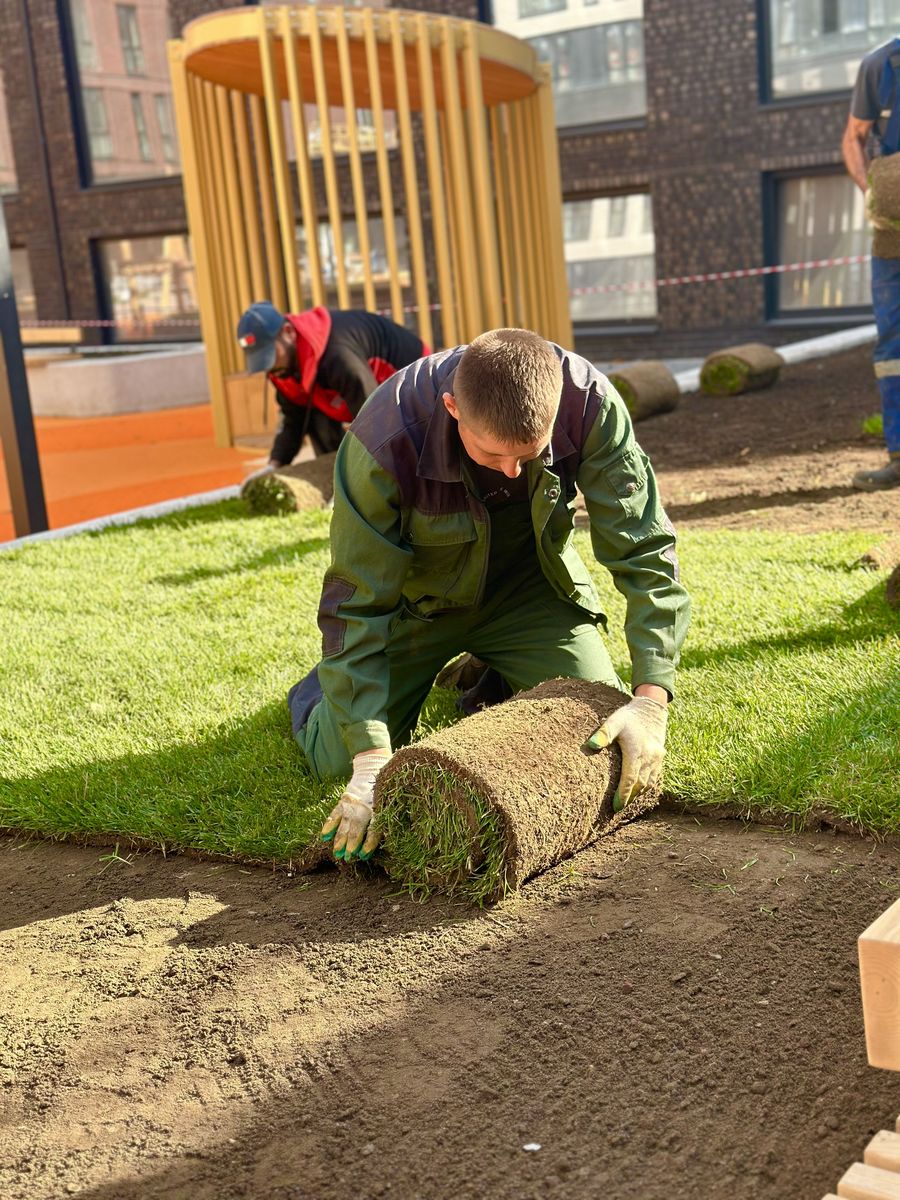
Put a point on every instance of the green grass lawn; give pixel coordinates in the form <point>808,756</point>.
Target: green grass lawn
<point>144,672</point>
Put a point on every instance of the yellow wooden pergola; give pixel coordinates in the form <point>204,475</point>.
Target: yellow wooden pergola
<point>298,122</point>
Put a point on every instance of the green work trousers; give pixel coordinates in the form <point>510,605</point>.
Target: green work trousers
<point>525,631</point>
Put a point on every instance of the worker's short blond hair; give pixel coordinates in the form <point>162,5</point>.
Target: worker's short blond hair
<point>508,385</point>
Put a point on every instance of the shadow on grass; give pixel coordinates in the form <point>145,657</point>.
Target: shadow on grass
<point>243,789</point>
<point>867,619</point>
<point>276,557</point>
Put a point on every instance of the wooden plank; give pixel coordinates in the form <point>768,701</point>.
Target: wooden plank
<point>879,976</point>
<point>884,1151</point>
<point>862,1182</point>
<point>252,410</point>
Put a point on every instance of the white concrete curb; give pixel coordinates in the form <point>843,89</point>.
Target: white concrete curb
<point>797,352</point>
<point>128,517</point>
<point>688,381</point>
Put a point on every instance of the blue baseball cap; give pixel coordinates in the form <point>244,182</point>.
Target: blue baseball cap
<point>257,332</point>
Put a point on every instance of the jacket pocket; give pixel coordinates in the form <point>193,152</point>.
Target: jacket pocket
<point>442,555</point>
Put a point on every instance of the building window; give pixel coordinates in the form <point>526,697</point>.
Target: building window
<point>609,245</point>
<point>820,217</point>
<point>163,105</point>
<point>816,45</point>
<point>85,49</point>
<point>26,305</point>
<point>353,260</point>
<point>140,128</point>
<point>8,181</point>
<point>595,52</point>
<point>151,288</point>
<point>121,140</point>
<point>97,124</point>
<point>130,38</point>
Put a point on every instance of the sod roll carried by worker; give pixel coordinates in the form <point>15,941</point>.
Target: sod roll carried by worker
<point>304,486</point>
<point>739,369</point>
<point>647,387</point>
<point>476,809</point>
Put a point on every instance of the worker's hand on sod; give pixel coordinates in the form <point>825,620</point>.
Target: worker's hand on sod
<point>349,820</point>
<point>640,729</point>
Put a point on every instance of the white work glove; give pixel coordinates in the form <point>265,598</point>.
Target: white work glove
<point>640,729</point>
<point>349,819</point>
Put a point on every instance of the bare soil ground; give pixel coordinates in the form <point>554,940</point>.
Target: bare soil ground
<point>779,459</point>
<point>673,1013</point>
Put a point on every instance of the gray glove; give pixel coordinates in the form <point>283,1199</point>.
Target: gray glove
<point>640,729</point>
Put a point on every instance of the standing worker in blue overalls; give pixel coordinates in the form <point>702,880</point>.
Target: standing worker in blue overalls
<point>875,108</point>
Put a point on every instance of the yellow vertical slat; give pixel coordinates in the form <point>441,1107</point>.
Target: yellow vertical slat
<point>501,183</point>
<point>556,237</point>
<point>229,305</point>
<point>356,172</point>
<point>200,241</point>
<point>248,197</point>
<point>264,178</point>
<point>532,197</point>
<point>453,233</point>
<point>519,164</point>
<point>286,219</point>
<point>328,166</point>
<point>517,266</point>
<point>468,280</point>
<point>539,192</point>
<point>485,219</point>
<point>232,195</point>
<point>408,153</point>
<point>288,19</point>
<point>384,168</point>
<point>436,183</point>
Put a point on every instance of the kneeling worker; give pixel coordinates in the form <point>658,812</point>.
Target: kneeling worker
<point>323,364</point>
<point>452,531</point>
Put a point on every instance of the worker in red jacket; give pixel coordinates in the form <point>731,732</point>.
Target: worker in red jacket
<point>324,363</point>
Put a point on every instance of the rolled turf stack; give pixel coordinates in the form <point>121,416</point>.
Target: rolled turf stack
<point>475,810</point>
<point>883,204</point>
<point>739,369</point>
<point>292,489</point>
<point>647,387</point>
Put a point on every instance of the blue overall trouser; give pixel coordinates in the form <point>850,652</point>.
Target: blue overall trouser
<point>886,302</point>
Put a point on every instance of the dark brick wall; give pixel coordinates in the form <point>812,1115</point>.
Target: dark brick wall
<point>701,152</point>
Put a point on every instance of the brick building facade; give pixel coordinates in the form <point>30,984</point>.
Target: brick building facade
<point>710,151</point>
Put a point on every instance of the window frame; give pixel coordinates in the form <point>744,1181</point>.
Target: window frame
<point>852,314</point>
<point>485,14</point>
<point>87,180</point>
<point>616,324</point>
<point>103,290</point>
<point>765,64</point>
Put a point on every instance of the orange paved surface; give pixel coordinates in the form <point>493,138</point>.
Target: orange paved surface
<point>99,465</point>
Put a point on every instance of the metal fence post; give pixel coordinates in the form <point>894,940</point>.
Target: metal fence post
<point>20,454</point>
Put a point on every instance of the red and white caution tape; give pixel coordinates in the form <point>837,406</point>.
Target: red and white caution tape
<point>637,286</point>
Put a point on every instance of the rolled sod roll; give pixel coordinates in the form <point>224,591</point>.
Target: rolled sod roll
<point>476,809</point>
<point>883,195</point>
<point>740,369</point>
<point>292,489</point>
<point>647,387</point>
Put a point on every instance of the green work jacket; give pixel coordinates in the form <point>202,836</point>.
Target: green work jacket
<point>410,537</point>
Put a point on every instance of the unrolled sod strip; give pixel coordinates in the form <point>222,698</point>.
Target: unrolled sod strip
<point>739,369</point>
<point>292,489</point>
<point>476,809</point>
<point>647,387</point>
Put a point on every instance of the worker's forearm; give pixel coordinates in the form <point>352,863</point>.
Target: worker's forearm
<point>856,160</point>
